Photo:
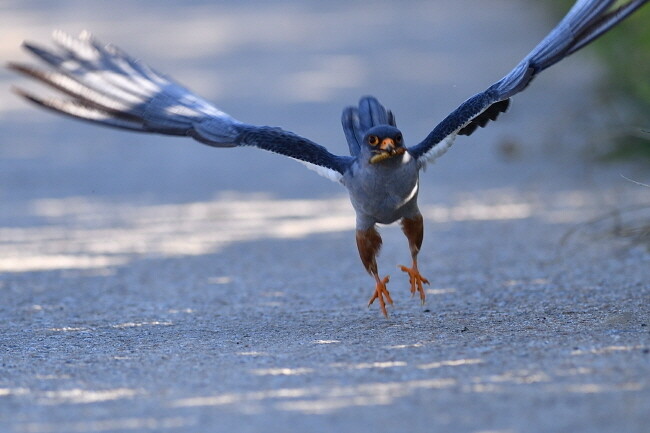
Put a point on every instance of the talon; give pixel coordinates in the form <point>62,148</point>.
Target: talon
<point>416,280</point>
<point>381,293</point>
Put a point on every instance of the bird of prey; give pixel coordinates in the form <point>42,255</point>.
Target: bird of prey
<point>106,86</point>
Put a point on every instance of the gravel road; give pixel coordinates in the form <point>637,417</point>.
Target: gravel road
<point>153,284</point>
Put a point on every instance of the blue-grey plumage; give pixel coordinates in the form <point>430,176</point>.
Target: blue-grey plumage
<point>383,183</point>
<point>107,87</point>
<point>386,190</point>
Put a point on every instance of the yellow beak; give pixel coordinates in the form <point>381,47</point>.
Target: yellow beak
<point>385,150</point>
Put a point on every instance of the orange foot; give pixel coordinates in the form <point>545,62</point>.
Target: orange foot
<point>416,280</point>
<point>381,293</point>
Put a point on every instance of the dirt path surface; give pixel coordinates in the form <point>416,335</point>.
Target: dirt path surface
<point>153,284</point>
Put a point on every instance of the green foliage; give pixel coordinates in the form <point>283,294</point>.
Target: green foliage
<point>625,52</point>
<point>629,147</point>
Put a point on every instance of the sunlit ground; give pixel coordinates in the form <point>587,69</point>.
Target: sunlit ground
<point>82,232</point>
<point>454,375</point>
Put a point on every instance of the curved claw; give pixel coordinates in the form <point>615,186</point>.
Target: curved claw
<point>381,293</point>
<point>416,280</point>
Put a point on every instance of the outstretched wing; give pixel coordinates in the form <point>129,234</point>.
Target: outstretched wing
<point>586,20</point>
<point>107,87</point>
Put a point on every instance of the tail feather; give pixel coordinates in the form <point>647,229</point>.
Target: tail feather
<point>372,113</point>
<point>356,121</point>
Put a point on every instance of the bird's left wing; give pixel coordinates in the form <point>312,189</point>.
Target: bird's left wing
<point>107,87</point>
<point>586,20</point>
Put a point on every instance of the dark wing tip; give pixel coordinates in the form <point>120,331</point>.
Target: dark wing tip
<point>48,104</point>
<point>14,66</point>
<point>24,94</point>
<point>27,70</point>
<point>491,113</point>
<point>31,46</point>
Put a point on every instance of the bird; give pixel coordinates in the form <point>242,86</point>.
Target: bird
<point>104,85</point>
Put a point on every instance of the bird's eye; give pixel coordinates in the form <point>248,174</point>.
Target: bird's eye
<point>398,138</point>
<point>373,140</point>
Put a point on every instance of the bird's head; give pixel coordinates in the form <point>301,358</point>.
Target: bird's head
<point>383,142</point>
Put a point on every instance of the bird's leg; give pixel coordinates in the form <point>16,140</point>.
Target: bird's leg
<point>369,243</point>
<point>413,228</point>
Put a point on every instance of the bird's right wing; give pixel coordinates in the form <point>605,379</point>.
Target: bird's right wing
<point>586,20</point>
<point>107,87</point>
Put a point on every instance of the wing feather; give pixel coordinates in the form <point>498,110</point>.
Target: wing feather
<point>106,86</point>
<point>584,22</point>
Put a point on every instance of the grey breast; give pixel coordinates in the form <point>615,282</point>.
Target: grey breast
<point>384,192</point>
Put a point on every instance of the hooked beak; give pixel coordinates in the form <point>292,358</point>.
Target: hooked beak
<point>386,149</point>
